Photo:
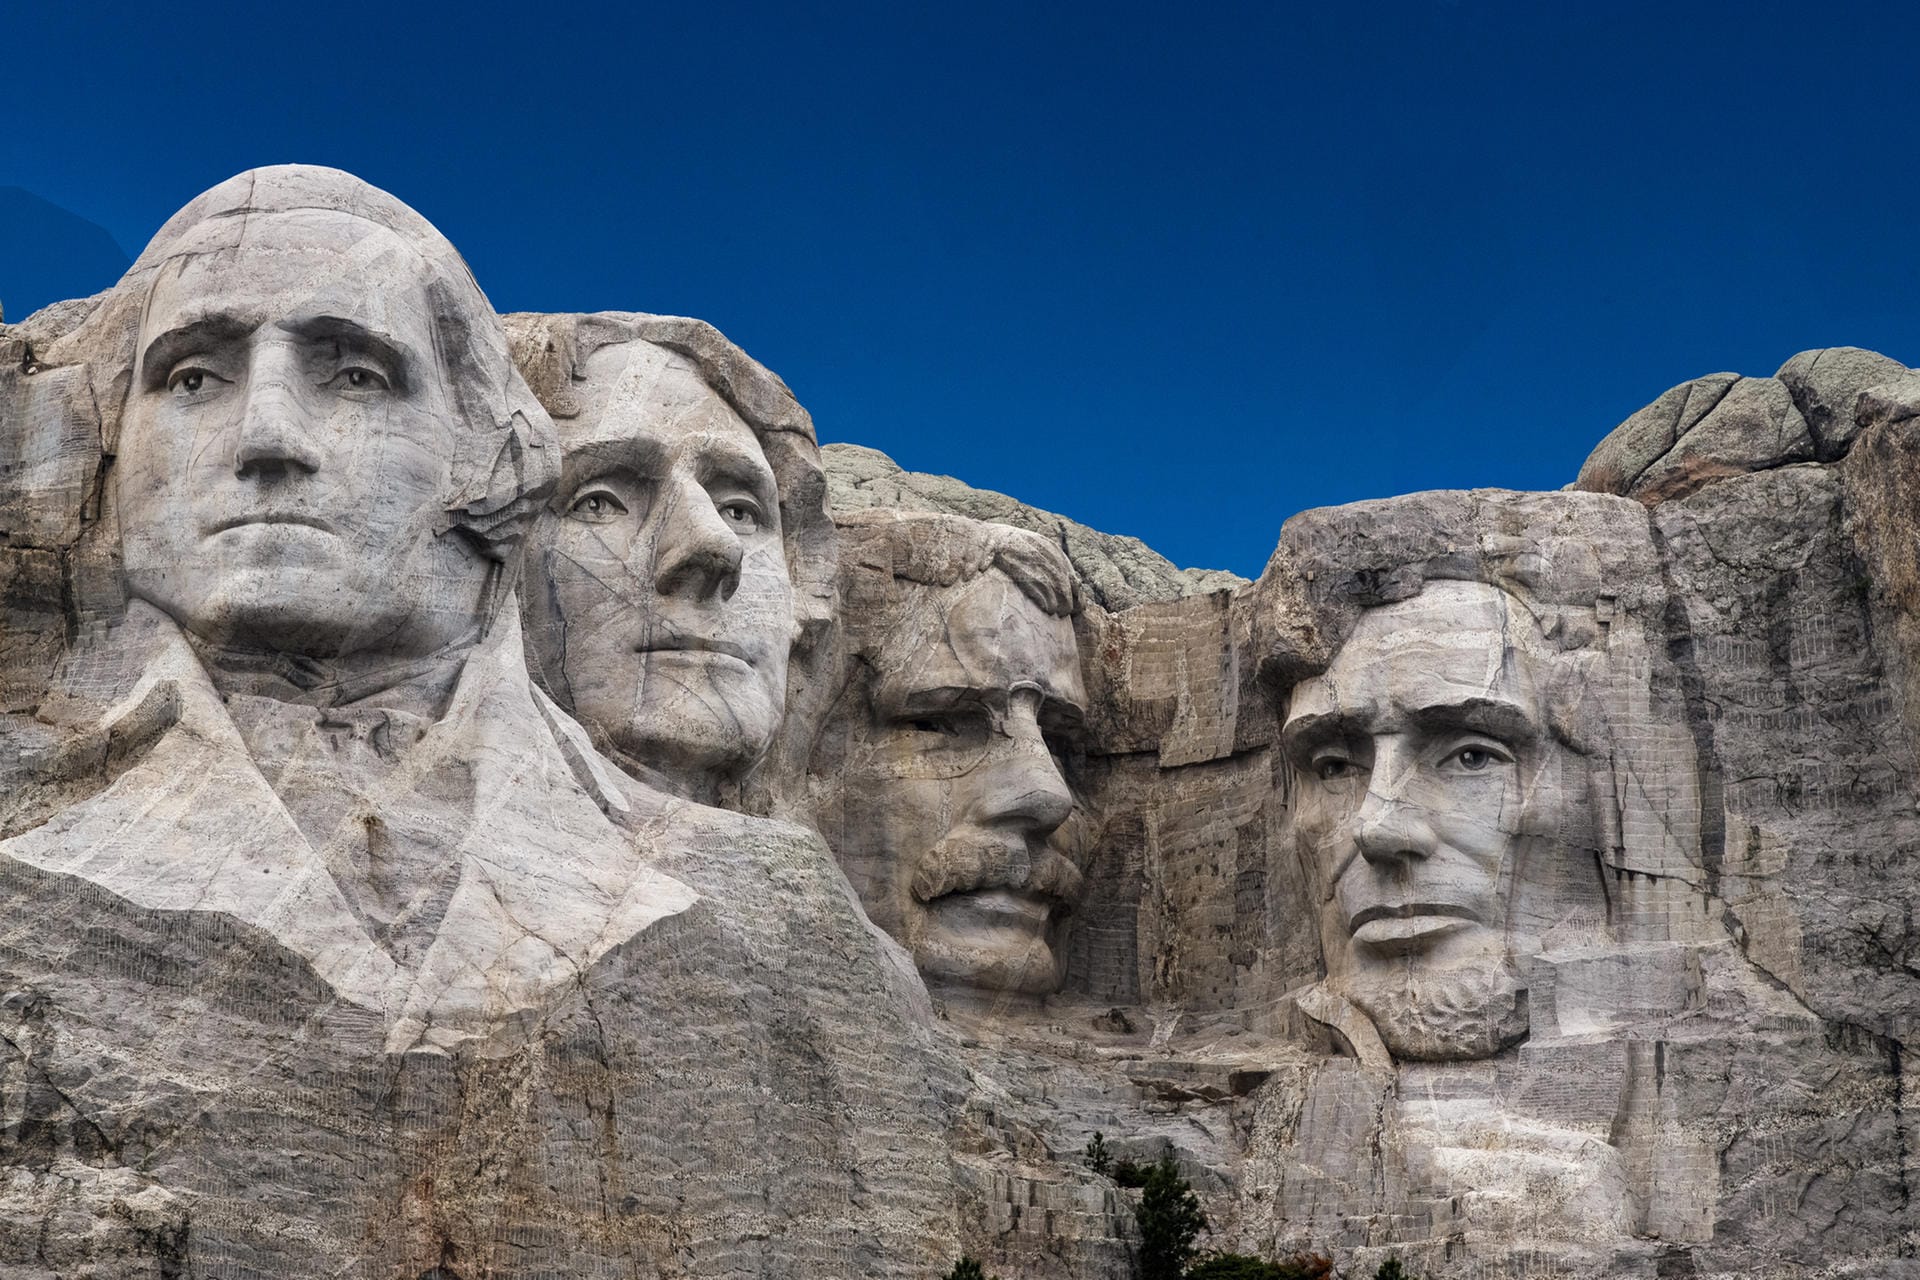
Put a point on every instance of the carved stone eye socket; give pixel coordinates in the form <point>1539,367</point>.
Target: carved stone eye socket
<point>1332,768</point>
<point>741,516</point>
<point>1473,758</point>
<point>596,507</point>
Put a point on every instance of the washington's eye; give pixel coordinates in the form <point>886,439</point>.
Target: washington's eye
<point>597,507</point>
<point>740,515</point>
<point>191,380</point>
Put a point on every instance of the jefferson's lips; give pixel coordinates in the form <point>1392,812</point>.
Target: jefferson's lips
<point>258,517</point>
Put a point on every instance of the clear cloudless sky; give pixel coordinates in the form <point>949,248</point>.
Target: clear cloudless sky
<point>1175,271</point>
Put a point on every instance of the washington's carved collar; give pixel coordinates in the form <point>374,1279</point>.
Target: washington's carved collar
<point>415,686</point>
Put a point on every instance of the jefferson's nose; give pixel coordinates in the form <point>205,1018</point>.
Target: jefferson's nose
<point>276,430</point>
<point>699,556</point>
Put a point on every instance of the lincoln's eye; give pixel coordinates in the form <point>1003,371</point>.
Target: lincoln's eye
<point>1474,758</point>
<point>1332,767</point>
<point>191,382</point>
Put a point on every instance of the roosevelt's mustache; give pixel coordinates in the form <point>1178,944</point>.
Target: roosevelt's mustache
<point>963,863</point>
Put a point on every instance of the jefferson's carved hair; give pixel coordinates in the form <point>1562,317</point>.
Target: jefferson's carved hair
<point>507,460</point>
<point>551,349</point>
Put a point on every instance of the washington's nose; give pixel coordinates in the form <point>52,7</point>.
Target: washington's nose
<point>276,432</point>
<point>699,555</point>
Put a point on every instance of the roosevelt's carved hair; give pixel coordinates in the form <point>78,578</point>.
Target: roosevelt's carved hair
<point>940,550</point>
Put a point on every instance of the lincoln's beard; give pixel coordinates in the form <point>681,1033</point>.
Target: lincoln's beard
<point>1445,1016</point>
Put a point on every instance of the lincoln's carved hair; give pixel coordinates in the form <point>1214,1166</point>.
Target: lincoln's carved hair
<point>1582,566</point>
<point>550,350</point>
<point>508,460</point>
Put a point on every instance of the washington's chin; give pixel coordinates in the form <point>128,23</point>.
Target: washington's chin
<point>990,941</point>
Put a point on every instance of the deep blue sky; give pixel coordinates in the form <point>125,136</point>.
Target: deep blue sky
<point>1176,271</point>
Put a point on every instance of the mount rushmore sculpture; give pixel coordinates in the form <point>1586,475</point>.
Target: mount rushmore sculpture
<point>491,796</point>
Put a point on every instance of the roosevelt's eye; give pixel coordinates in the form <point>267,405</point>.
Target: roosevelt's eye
<point>1332,768</point>
<point>359,377</point>
<point>597,506</point>
<point>741,516</point>
<point>192,379</point>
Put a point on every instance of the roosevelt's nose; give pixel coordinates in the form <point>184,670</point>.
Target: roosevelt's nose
<point>1024,788</point>
<point>698,556</point>
<point>277,432</point>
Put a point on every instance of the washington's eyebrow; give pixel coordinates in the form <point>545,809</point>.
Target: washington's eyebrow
<point>399,358</point>
<point>197,333</point>
<point>1495,717</point>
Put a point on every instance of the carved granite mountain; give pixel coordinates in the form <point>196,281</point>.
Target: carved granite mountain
<point>491,797</point>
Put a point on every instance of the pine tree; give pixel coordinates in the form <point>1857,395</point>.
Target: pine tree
<point>1098,1158</point>
<point>966,1269</point>
<point>1170,1219</point>
<point>1392,1270</point>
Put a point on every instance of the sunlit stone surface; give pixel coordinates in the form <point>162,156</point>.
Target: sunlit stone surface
<point>491,797</point>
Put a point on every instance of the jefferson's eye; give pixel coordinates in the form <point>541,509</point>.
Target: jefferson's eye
<point>741,516</point>
<point>358,377</point>
<point>192,379</point>
<point>597,507</point>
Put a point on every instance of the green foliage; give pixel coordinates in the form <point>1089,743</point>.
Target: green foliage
<point>966,1269</point>
<point>1170,1219</point>
<point>1240,1266</point>
<point>1128,1174</point>
<point>1392,1270</point>
<point>1098,1158</point>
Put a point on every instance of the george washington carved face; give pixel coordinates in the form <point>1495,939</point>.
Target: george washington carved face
<point>285,459</point>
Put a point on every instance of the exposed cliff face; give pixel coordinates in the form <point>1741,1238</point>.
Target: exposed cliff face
<point>1520,883</point>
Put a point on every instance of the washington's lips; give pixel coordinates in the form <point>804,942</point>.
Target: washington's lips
<point>694,645</point>
<point>270,518</point>
<point>1411,922</point>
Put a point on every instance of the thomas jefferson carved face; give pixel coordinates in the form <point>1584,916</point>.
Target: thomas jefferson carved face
<point>1426,776</point>
<point>663,614</point>
<point>955,821</point>
<point>284,458</point>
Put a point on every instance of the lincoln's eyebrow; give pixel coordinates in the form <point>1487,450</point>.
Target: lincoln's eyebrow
<point>725,460</point>
<point>1311,729</point>
<point>401,360</point>
<point>596,456</point>
<point>1496,717</point>
<point>195,333</point>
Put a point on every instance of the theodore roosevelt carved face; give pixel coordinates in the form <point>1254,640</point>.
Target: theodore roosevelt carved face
<point>663,613</point>
<point>286,452</point>
<point>946,762</point>
<point>1427,784</point>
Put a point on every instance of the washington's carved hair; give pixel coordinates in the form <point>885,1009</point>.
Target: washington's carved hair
<point>507,460</point>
